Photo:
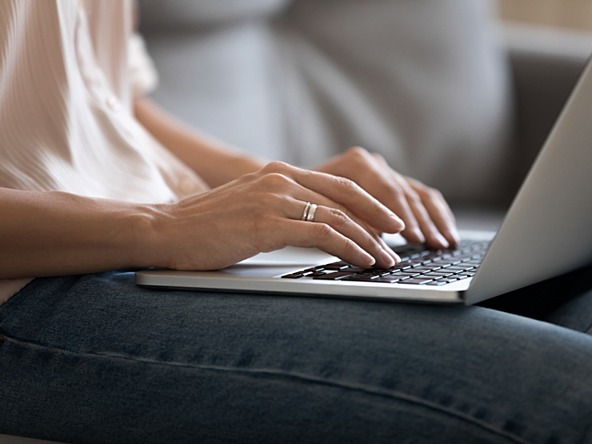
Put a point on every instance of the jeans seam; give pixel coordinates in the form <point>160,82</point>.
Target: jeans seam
<point>281,374</point>
<point>370,391</point>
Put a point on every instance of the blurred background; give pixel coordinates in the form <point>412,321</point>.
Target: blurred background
<point>576,14</point>
<point>460,94</point>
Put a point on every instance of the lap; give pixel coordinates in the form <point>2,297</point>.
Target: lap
<point>97,358</point>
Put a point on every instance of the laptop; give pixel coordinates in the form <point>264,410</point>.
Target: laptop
<point>546,232</point>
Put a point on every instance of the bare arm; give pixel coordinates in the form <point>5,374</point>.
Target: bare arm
<point>214,161</point>
<point>54,233</point>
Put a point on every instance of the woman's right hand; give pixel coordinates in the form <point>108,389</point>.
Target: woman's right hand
<point>262,212</point>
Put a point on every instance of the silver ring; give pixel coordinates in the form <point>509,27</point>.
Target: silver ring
<point>311,213</point>
<point>306,211</point>
<point>310,210</point>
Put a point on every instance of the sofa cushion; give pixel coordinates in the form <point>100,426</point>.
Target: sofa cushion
<point>425,83</point>
<point>192,14</point>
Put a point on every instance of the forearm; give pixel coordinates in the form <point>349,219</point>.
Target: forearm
<point>54,233</point>
<point>215,162</point>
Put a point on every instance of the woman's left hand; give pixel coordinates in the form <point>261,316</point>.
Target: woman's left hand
<point>428,218</point>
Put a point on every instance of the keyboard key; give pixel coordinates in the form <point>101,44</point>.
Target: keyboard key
<point>417,281</point>
<point>362,278</point>
<point>333,276</point>
<point>337,266</point>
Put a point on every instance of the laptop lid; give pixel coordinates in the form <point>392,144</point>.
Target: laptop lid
<point>548,229</point>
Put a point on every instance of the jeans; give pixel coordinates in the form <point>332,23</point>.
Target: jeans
<point>95,359</point>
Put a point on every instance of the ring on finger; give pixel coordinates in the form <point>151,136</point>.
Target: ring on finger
<point>310,210</point>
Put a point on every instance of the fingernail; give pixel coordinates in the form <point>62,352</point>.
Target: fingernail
<point>454,234</point>
<point>441,240</point>
<point>387,259</point>
<point>453,238</point>
<point>398,221</point>
<point>392,254</point>
<point>368,261</point>
<point>416,232</point>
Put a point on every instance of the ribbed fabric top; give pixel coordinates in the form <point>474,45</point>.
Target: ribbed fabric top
<point>68,73</point>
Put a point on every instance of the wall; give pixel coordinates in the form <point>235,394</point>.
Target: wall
<point>575,14</point>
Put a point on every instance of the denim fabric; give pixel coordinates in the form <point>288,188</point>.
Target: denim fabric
<point>96,359</point>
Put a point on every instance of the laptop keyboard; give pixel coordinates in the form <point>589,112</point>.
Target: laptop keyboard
<point>418,266</point>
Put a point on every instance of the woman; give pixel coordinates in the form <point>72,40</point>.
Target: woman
<point>97,180</point>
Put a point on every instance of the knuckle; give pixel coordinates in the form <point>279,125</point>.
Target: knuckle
<point>347,185</point>
<point>414,200</point>
<point>276,167</point>
<point>274,181</point>
<point>359,156</point>
<point>435,193</point>
<point>358,151</point>
<point>427,192</point>
<point>412,197</point>
<point>397,188</point>
<point>322,232</point>
<point>379,157</point>
<point>346,246</point>
<point>338,217</point>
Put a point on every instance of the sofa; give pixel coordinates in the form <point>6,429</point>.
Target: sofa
<point>246,72</point>
<point>440,88</point>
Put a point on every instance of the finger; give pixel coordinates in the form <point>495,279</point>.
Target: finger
<point>285,193</point>
<point>394,193</point>
<point>348,194</point>
<point>375,176</point>
<point>438,210</point>
<point>424,224</point>
<point>341,222</point>
<point>445,224</point>
<point>431,193</point>
<point>433,237</point>
<point>323,236</point>
<point>399,201</point>
<point>390,188</point>
<point>389,250</point>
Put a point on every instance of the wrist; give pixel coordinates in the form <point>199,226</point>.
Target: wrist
<point>236,166</point>
<point>149,245</point>
<point>247,164</point>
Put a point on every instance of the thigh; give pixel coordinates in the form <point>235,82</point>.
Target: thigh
<point>97,359</point>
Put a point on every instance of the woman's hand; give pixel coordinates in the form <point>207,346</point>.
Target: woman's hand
<point>263,211</point>
<point>424,211</point>
<point>56,233</point>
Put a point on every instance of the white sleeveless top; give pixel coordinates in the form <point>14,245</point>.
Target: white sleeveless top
<point>68,73</point>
